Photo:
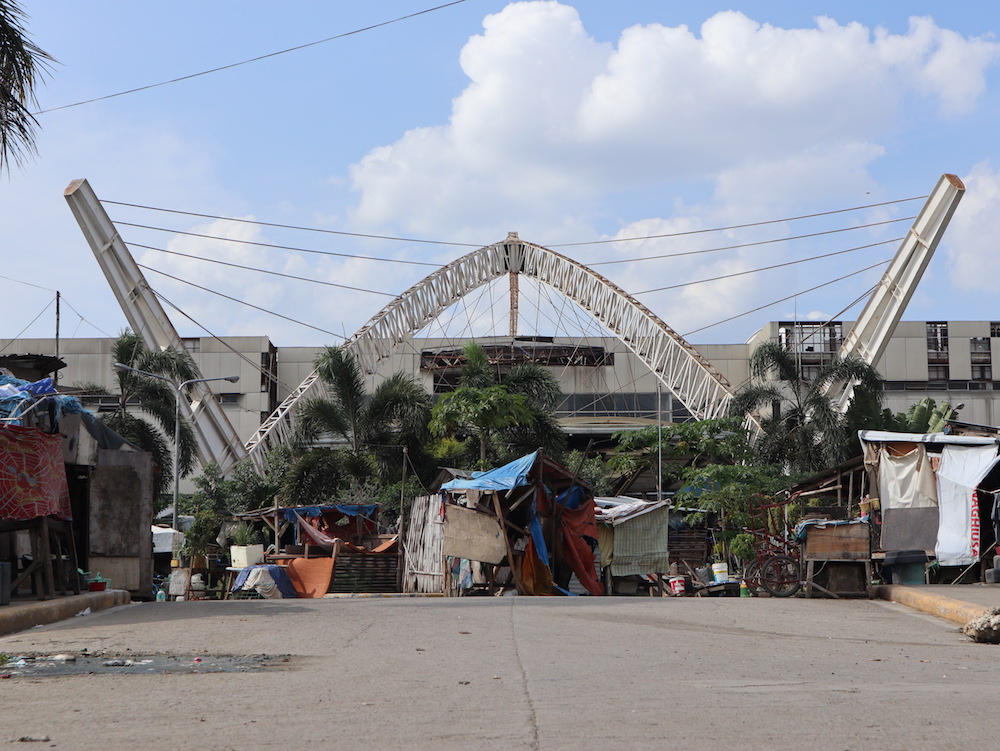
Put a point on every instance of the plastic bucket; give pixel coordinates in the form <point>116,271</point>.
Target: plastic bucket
<point>720,571</point>
<point>677,585</point>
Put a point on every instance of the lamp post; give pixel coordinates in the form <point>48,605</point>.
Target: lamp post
<point>179,388</point>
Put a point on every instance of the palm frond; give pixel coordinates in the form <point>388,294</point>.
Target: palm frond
<point>22,66</point>
<point>535,383</point>
<point>477,373</point>
<point>340,371</point>
<point>317,417</point>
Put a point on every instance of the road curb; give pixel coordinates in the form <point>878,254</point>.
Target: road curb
<point>23,615</point>
<point>376,595</point>
<point>957,611</point>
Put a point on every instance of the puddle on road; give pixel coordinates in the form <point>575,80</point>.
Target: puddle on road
<point>43,666</point>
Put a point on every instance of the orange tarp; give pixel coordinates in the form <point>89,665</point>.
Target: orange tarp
<point>310,576</point>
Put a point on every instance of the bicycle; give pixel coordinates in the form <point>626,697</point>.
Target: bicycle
<point>777,569</point>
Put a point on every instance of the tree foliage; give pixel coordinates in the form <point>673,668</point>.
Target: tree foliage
<point>153,397</point>
<point>502,415</point>
<point>22,66</point>
<point>803,431</point>
<point>369,430</point>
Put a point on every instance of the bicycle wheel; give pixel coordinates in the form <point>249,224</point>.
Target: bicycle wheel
<point>751,575</point>
<point>780,575</point>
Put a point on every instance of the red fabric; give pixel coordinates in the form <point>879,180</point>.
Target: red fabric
<point>32,475</point>
<point>574,525</point>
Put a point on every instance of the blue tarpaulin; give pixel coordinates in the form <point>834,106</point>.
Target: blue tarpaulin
<point>512,475</point>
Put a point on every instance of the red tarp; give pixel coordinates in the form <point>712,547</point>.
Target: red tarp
<point>574,525</point>
<point>32,475</point>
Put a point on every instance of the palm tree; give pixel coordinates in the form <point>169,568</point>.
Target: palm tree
<point>371,425</point>
<point>22,65</point>
<point>804,432</point>
<point>507,415</point>
<point>154,397</point>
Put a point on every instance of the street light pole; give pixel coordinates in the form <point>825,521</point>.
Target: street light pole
<point>179,388</point>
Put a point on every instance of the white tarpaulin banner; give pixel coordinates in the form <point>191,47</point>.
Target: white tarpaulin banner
<point>962,469</point>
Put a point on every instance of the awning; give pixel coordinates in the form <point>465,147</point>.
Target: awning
<point>885,436</point>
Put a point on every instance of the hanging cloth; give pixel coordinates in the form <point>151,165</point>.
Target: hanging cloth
<point>962,469</point>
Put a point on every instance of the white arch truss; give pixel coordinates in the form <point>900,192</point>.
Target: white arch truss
<point>691,378</point>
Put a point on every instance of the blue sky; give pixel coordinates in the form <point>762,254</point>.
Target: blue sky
<point>567,122</point>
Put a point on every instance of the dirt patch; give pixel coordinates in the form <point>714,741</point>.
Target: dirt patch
<point>42,666</point>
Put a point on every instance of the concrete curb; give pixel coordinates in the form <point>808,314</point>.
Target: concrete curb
<point>375,595</point>
<point>23,615</point>
<point>949,608</point>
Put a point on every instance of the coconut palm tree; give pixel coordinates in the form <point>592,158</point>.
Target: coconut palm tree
<point>805,431</point>
<point>506,414</point>
<point>155,398</point>
<point>372,426</point>
<point>22,65</point>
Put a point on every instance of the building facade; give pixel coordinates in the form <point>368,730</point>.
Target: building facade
<point>605,387</point>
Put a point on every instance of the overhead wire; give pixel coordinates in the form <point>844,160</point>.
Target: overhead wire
<point>789,297</point>
<point>255,365</point>
<point>11,341</point>
<point>82,319</point>
<point>295,227</point>
<point>241,302</point>
<point>258,58</point>
<point>752,244</point>
<point>768,268</point>
<point>736,226</point>
<point>279,247</point>
<point>265,271</point>
<point>27,284</point>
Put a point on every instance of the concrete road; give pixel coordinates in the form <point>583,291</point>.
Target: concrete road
<point>516,673</point>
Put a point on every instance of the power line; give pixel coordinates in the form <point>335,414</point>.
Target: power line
<point>84,320</point>
<point>28,284</point>
<point>11,341</point>
<point>785,299</point>
<point>265,271</point>
<point>753,244</point>
<point>255,365</point>
<point>250,60</point>
<point>277,247</point>
<point>769,268</point>
<point>241,302</point>
<point>294,227</point>
<point>737,226</point>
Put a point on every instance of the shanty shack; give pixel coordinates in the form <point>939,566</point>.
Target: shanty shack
<point>528,526</point>
<point>73,494</point>
<point>937,494</point>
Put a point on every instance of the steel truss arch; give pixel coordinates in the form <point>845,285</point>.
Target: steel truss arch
<point>684,371</point>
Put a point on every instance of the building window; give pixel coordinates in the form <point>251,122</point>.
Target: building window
<point>937,372</point>
<point>982,373</point>
<point>937,342</point>
<point>995,329</point>
<point>809,338</point>
<point>937,336</point>
<point>228,398</point>
<point>192,345</point>
<point>979,348</point>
